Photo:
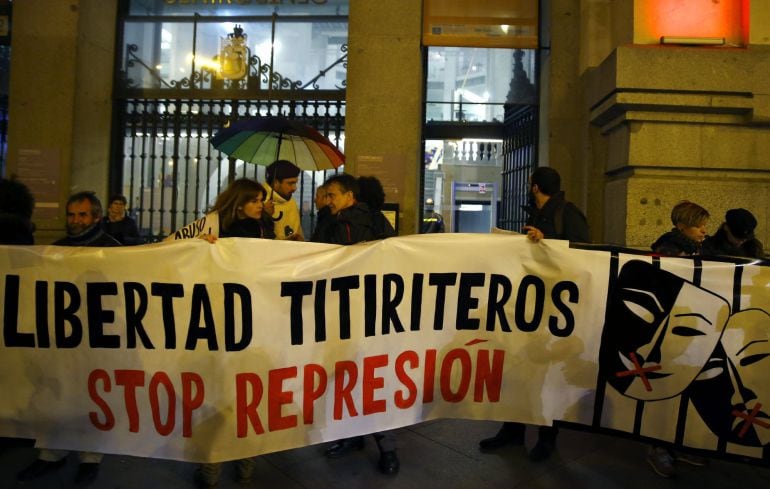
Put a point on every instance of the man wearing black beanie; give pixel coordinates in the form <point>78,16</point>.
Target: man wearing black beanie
<point>735,237</point>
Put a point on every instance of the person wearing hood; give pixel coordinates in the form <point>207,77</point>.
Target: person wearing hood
<point>735,237</point>
<point>281,182</point>
<point>687,235</point>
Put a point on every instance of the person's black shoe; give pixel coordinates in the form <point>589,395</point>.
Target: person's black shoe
<point>541,451</point>
<point>389,463</point>
<point>86,473</point>
<point>345,446</point>
<point>39,468</point>
<point>505,436</point>
<point>202,483</point>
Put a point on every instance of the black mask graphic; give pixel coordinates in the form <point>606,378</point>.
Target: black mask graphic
<point>659,332</point>
<point>732,394</point>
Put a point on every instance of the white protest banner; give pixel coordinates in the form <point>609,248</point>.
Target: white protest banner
<point>211,352</point>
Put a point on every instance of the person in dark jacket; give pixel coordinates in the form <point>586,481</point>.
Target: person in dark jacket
<point>323,214</point>
<point>240,208</point>
<point>373,195</point>
<point>351,220</point>
<point>84,227</point>
<point>118,224</point>
<point>735,237</point>
<point>550,216</point>
<point>687,235</point>
<point>684,239</point>
<point>350,223</point>
<point>16,206</point>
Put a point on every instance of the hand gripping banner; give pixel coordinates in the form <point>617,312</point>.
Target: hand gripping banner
<point>211,352</point>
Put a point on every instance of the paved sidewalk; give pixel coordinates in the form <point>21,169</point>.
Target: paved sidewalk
<point>437,454</point>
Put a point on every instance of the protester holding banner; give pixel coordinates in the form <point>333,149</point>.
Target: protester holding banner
<point>239,212</point>
<point>735,237</point>
<point>684,239</point>
<point>84,226</point>
<point>351,220</point>
<point>551,216</point>
<point>282,177</point>
<point>239,209</point>
<point>687,235</point>
<point>350,223</point>
<point>84,215</point>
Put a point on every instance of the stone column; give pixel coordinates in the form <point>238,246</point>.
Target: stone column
<point>682,123</point>
<point>384,99</point>
<point>60,101</point>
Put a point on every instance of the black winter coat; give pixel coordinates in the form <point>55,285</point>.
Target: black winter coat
<point>93,237</point>
<point>571,225</point>
<point>720,245</point>
<point>351,225</point>
<point>249,228</point>
<point>675,243</point>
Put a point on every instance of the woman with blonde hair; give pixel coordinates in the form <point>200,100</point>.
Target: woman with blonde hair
<point>689,231</point>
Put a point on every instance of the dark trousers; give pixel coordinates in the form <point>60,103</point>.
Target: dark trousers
<point>546,434</point>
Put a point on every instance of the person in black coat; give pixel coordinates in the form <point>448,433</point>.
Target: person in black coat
<point>118,224</point>
<point>684,239</point>
<point>240,208</point>
<point>84,226</point>
<point>687,235</point>
<point>373,195</point>
<point>241,211</point>
<point>16,206</point>
<point>551,216</point>
<point>735,237</point>
<point>351,222</point>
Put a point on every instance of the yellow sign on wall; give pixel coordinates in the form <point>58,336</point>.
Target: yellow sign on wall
<point>482,23</point>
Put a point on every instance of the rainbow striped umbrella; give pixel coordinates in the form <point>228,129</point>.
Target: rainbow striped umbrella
<point>263,140</point>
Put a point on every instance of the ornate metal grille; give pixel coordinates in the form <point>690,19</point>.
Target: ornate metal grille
<point>519,160</point>
<point>170,173</point>
<point>163,162</point>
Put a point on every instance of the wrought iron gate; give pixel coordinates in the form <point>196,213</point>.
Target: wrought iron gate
<point>162,159</point>
<point>519,160</point>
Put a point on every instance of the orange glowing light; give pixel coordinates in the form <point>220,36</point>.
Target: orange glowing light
<point>691,18</point>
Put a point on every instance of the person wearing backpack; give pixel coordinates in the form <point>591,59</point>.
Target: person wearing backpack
<point>551,216</point>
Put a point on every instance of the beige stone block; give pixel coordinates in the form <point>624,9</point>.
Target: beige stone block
<point>759,27</point>
<point>384,94</point>
<point>684,145</point>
